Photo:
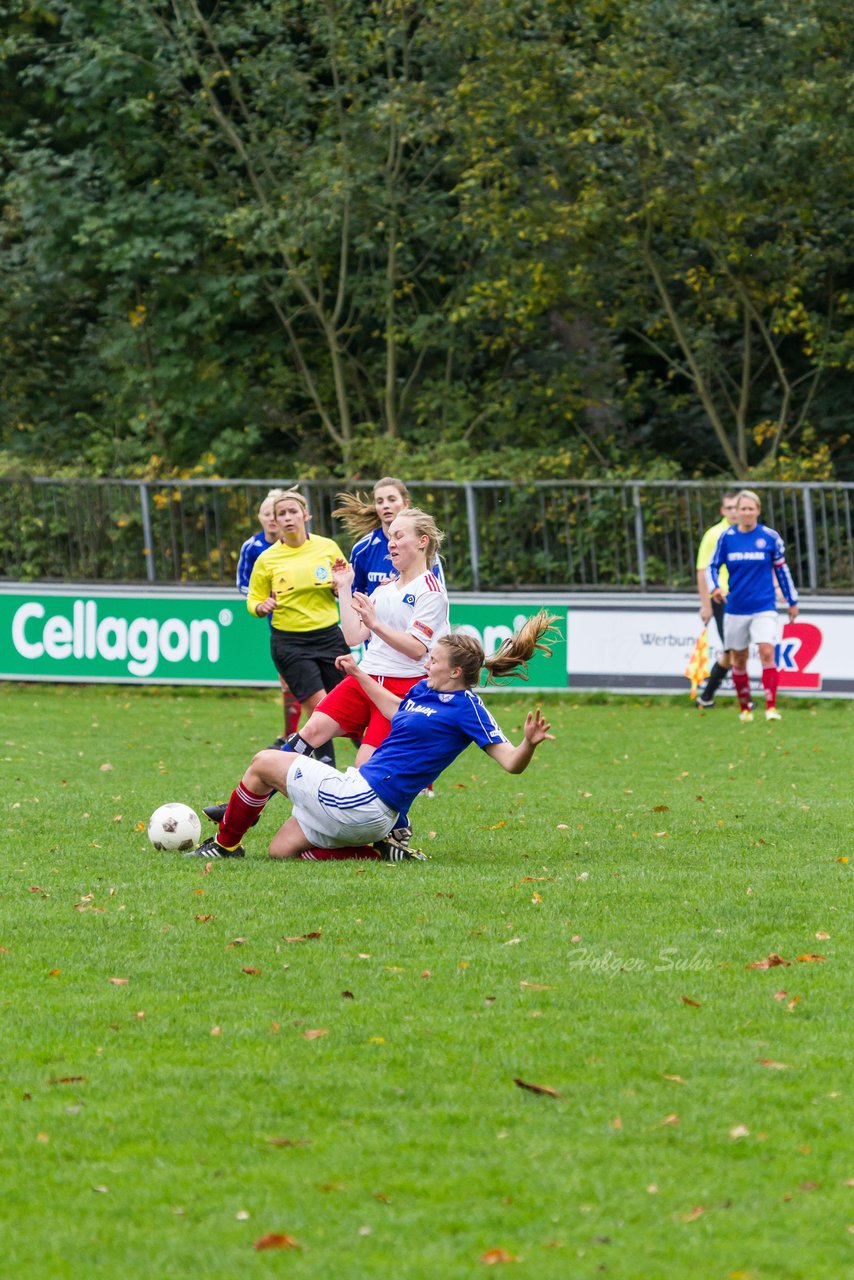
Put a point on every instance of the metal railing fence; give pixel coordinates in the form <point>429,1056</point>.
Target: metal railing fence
<point>499,535</point>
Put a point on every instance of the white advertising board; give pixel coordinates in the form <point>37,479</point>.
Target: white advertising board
<point>637,644</point>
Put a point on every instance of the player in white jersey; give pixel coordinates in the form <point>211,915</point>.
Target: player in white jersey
<point>403,619</point>
<point>430,727</point>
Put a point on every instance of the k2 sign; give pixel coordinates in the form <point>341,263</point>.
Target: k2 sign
<point>798,648</point>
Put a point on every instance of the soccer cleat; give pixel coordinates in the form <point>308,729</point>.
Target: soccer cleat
<point>704,702</point>
<point>772,713</point>
<point>211,848</point>
<point>216,812</point>
<point>428,792</point>
<point>402,835</point>
<point>391,850</point>
<point>277,745</point>
<point>746,716</point>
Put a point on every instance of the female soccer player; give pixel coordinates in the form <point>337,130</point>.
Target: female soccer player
<point>291,584</point>
<point>403,619</point>
<point>753,554</point>
<point>369,522</point>
<point>249,553</point>
<point>430,727</point>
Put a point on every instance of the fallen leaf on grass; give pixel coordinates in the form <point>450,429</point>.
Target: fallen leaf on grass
<point>822,935</point>
<point>425,973</point>
<point>204,919</point>
<point>254,973</point>
<point>671,1119</point>
<point>780,995</point>
<point>771,962</point>
<point>216,1031</point>
<point>496,825</point>
<point>35,888</point>
<point>795,1000</point>
<point>235,942</point>
<point>534,986</point>
<point>314,1035</point>
<point>492,1256</point>
<point>695,1213</point>
<point>810,959</point>
<point>289,1142</point>
<point>772,1065</point>
<point>739,1131</point>
<point>661,808</point>
<point>119,982</point>
<point>102,1190</point>
<point>277,1240</point>
<point>105,768</point>
<point>545,1089</point>
<point>695,1004</point>
<point>66,1080</point>
<point>617,1124</point>
<point>347,995</point>
<point>674,1079</point>
<point>305,937</point>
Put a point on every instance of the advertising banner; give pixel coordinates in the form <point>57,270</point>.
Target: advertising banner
<point>191,637</point>
<point>635,645</point>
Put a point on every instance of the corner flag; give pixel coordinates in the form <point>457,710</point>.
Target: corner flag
<point>697,669</point>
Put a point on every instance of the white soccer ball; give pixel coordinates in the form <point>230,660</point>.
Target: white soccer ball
<point>174,826</point>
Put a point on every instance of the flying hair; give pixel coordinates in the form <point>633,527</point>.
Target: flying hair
<point>512,656</point>
<point>357,511</point>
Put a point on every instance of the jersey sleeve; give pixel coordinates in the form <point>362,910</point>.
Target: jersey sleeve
<point>244,565</point>
<point>430,611</point>
<point>706,550</point>
<point>360,570</point>
<point>781,570</point>
<point>260,584</point>
<point>480,725</point>
<point>716,563</point>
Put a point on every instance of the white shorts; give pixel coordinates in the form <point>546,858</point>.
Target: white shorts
<point>337,809</point>
<point>743,629</point>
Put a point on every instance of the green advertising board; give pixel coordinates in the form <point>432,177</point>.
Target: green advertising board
<point>136,636</point>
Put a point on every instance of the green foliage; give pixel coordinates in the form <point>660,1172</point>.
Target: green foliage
<point>295,234</point>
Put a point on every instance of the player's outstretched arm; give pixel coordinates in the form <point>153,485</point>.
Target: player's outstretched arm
<point>517,759</point>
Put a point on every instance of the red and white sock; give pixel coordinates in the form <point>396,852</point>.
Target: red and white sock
<point>363,852</point>
<point>244,810</point>
<point>770,680</point>
<point>742,687</point>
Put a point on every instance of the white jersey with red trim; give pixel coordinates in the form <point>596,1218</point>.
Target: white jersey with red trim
<point>420,608</point>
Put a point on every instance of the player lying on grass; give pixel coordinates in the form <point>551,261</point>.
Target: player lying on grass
<point>358,809</point>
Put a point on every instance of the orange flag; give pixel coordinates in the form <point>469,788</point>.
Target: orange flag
<point>697,669</point>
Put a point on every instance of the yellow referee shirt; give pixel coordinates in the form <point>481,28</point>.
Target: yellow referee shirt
<point>301,578</point>
<point>708,544</point>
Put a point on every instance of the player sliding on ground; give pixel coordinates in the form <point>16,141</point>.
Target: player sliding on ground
<point>357,810</point>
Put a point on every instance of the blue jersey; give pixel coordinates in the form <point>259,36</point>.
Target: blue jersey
<point>372,563</point>
<point>249,553</point>
<point>428,731</point>
<point>752,560</point>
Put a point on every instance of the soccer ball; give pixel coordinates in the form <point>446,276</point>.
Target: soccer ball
<point>174,826</point>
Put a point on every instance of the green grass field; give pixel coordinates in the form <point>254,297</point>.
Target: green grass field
<point>588,926</point>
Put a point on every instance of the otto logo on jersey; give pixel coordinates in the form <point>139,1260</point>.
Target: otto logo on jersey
<point>800,643</point>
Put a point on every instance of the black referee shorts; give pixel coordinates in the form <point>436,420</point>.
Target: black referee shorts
<point>306,659</point>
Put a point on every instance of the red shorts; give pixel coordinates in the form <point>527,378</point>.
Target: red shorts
<point>358,717</point>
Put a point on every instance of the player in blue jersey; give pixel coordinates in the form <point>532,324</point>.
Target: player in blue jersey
<point>430,727</point>
<point>369,522</point>
<point>249,553</point>
<point>753,555</point>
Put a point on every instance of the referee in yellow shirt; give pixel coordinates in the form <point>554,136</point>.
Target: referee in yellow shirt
<point>708,607</point>
<point>292,582</point>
